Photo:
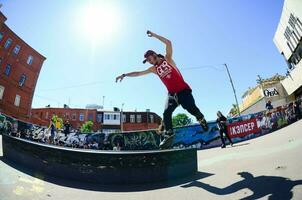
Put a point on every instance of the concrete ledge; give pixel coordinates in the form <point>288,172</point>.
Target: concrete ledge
<point>105,167</point>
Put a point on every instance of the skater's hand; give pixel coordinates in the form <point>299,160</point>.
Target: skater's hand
<point>150,34</point>
<point>120,78</point>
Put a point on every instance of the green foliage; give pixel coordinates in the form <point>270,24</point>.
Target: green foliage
<point>87,127</point>
<point>235,110</point>
<point>181,119</point>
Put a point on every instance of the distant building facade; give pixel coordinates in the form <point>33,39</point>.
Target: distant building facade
<point>20,66</point>
<point>105,121</point>
<point>76,116</point>
<point>271,89</point>
<point>288,40</point>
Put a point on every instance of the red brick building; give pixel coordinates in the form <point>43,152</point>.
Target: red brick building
<point>140,121</point>
<point>76,116</point>
<point>105,121</point>
<point>20,66</point>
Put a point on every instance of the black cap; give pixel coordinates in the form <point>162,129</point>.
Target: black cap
<point>147,54</point>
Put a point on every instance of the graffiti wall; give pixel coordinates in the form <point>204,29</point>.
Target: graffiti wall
<point>239,129</point>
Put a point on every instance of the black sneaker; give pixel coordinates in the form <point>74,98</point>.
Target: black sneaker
<point>203,124</point>
<point>167,142</point>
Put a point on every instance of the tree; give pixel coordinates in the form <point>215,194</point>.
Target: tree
<point>87,127</point>
<point>181,119</point>
<point>234,110</point>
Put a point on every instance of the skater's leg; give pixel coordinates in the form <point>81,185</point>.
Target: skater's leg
<point>186,99</point>
<point>171,105</point>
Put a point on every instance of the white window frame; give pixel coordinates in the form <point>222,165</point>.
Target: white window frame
<point>17,49</point>
<point>17,100</point>
<point>81,117</point>
<point>22,83</point>
<point>107,117</point>
<point>2,88</point>
<point>132,118</point>
<point>8,43</point>
<point>30,60</point>
<point>151,118</point>
<point>139,118</point>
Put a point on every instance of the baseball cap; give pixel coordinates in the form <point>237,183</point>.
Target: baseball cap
<point>147,54</point>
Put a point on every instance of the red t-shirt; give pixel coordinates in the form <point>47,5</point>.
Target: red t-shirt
<point>171,77</point>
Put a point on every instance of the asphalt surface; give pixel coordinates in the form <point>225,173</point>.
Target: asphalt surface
<point>268,167</point>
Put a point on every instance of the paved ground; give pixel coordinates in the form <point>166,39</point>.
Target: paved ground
<point>267,166</point>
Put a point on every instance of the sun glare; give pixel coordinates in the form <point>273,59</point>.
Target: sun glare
<point>98,22</point>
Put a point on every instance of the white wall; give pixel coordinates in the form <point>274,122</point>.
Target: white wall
<point>290,6</point>
<point>294,81</point>
<point>111,118</point>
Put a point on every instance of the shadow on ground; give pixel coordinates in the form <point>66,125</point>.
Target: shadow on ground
<point>278,188</point>
<point>106,188</point>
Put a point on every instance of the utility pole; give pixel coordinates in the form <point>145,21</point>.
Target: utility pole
<point>233,88</point>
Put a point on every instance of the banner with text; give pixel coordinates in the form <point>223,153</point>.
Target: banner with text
<point>243,128</point>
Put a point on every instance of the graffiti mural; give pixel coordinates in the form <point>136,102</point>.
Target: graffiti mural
<point>239,129</point>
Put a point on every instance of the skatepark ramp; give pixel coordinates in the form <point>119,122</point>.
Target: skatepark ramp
<point>104,167</point>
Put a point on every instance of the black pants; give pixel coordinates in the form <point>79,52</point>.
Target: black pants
<point>186,100</point>
<point>224,130</point>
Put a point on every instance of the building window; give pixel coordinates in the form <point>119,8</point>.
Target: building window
<point>116,117</point>
<point>151,119</point>
<point>67,115</point>
<point>30,60</point>
<point>17,100</point>
<point>99,118</point>
<point>132,118</point>
<point>22,80</point>
<point>1,36</point>
<point>1,91</point>
<point>16,49</point>
<point>90,117</point>
<point>124,118</point>
<point>139,118</point>
<point>81,117</point>
<point>7,69</point>
<point>107,117</point>
<point>8,43</point>
<point>74,116</point>
<point>46,115</point>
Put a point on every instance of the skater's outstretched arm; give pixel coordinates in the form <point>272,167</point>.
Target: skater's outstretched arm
<point>168,43</point>
<point>134,74</point>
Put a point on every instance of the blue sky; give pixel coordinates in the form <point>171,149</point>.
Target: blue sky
<point>204,33</point>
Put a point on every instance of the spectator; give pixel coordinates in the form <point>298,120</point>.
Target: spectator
<point>297,110</point>
<point>66,128</point>
<point>222,126</point>
<point>269,105</point>
<point>52,132</point>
